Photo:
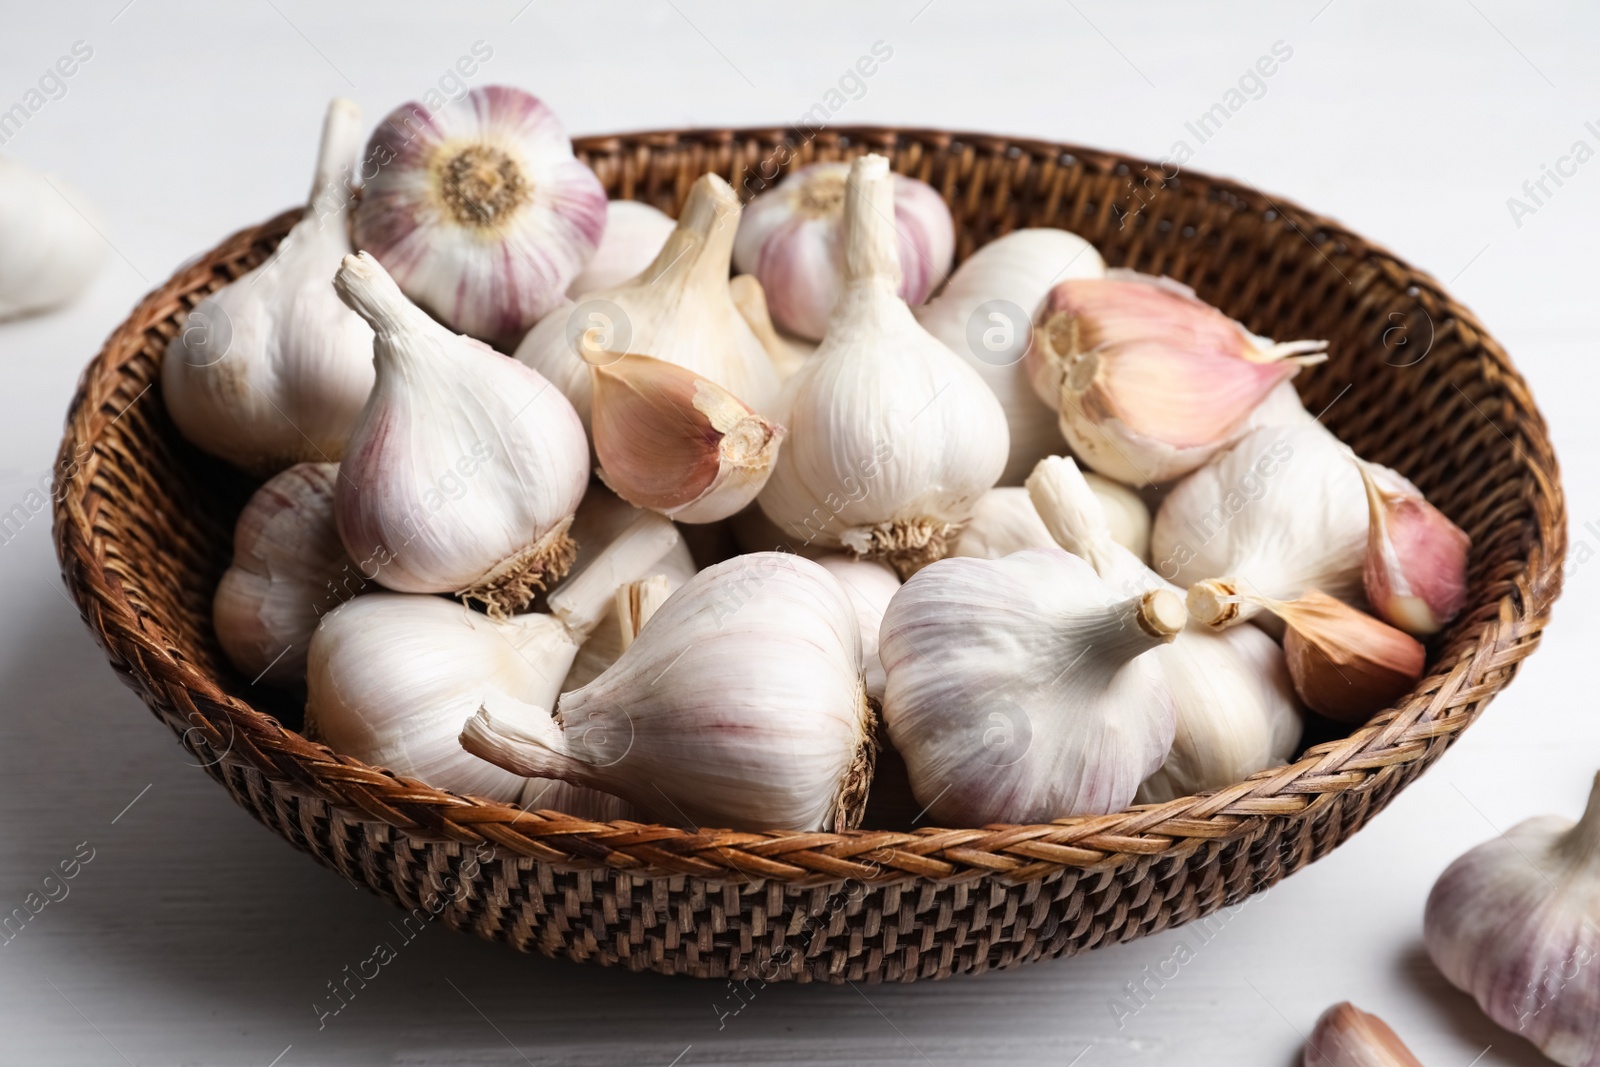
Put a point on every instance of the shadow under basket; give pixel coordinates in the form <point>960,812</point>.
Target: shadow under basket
<point>143,528</point>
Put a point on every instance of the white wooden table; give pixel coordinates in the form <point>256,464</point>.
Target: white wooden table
<point>193,936</point>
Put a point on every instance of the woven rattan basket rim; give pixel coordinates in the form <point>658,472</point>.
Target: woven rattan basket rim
<point>1490,640</point>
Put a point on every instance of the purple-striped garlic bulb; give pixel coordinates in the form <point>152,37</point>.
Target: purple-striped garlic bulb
<point>792,239</point>
<point>480,210</point>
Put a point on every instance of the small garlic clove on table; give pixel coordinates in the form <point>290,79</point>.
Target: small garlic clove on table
<point>49,250</point>
<point>1346,1036</point>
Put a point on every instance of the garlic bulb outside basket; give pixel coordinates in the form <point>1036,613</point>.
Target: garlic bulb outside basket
<point>1513,923</point>
<point>1346,1036</point>
<point>679,310</point>
<point>480,210</point>
<point>466,468</point>
<point>985,313</point>
<point>793,239</point>
<point>632,239</point>
<point>871,586</point>
<point>49,253</point>
<point>892,437</point>
<point>273,370</point>
<point>289,569</point>
<point>740,704</point>
<point>1005,521</point>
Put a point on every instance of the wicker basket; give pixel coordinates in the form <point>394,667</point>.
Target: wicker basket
<point>142,528</point>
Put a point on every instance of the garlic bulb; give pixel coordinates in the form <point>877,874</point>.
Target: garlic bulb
<point>793,239</point>
<point>669,440</point>
<point>1018,689</point>
<point>985,313</point>
<point>480,211</point>
<point>1512,922</point>
<point>1346,665</point>
<point>748,297</point>
<point>51,252</point>
<point>632,239</point>
<point>1281,512</point>
<point>870,586</point>
<point>392,677</point>
<point>892,437</point>
<point>679,309</point>
<point>1235,706</point>
<point>1346,1036</point>
<point>465,470</point>
<point>740,704</point>
<point>272,369</point>
<point>1415,573</point>
<point>1005,521</point>
<point>289,569</point>
<point>601,518</point>
<point>1150,380</point>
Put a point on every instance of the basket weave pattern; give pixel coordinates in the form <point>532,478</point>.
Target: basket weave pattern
<point>143,531</point>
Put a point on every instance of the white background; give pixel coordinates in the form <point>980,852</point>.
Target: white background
<point>195,936</point>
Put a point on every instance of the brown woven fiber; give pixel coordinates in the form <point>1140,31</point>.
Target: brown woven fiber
<point>143,528</point>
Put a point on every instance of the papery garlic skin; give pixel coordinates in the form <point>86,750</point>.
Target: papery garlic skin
<point>1151,381</point>
<point>674,442</point>
<point>1513,923</point>
<point>984,314</point>
<point>1280,512</point>
<point>465,470</point>
<point>871,586</point>
<point>577,801</point>
<point>1005,521</point>
<point>632,239</point>
<point>49,252</point>
<point>480,210</point>
<point>1346,1036</point>
<point>273,370</point>
<point>740,704</point>
<point>679,309</point>
<point>1018,691</point>
<point>892,437</point>
<point>289,569</point>
<point>793,239</point>
<point>1415,573</point>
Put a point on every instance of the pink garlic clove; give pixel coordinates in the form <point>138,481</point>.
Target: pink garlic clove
<point>1346,1036</point>
<point>1416,567</point>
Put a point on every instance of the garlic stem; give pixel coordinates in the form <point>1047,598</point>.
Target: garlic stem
<point>581,601</point>
<point>872,251</point>
<point>751,300</point>
<point>373,295</point>
<point>703,240</point>
<point>341,140</point>
<point>520,738</point>
<point>1581,844</point>
<point>1070,508</point>
<point>637,602</point>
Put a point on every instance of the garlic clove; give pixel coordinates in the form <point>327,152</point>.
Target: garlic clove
<point>480,210</point>
<point>1415,573</point>
<point>1018,689</point>
<point>273,370</point>
<point>1149,380</point>
<point>1346,1036</point>
<point>680,309</point>
<point>984,314</point>
<point>1346,665</point>
<point>289,569</point>
<point>632,239</point>
<point>740,704</point>
<point>52,250</point>
<point>1512,923</point>
<point>672,441</point>
<point>793,240</point>
<point>751,301</point>
<point>465,470</point>
<point>871,586</point>
<point>892,437</point>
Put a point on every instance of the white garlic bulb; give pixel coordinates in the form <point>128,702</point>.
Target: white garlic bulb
<point>1018,689</point>
<point>792,239</point>
<point>1512,922</point>
<point>985,314</point>
<point>1150,380</point>
<point>679,309</point>
<point>633,237</point>
<point>465,470</point>
<point>740,704</point>
<point>1280,512</point>
<point>1235,705</point>
<point>870,586</point>
<point>892,437</point>
<point>272,369</point>
<point>392,677</point>
<point>1346,1036</point>
<point>480,210</point>
<point>1005,521</point>
<point>289,569</point>
<point>49,252</point>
